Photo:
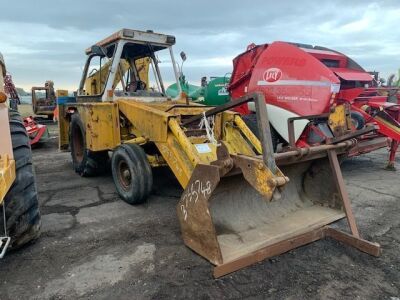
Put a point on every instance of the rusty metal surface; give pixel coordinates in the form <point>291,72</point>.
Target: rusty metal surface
<point>267,252</point>
<point>224,219</point>
<point>341,186</point>
<point>121,34</point>
<point>102,125</point>
<point>371,248</point>
<point>236,223</point>
<point>227,106</point>
<point>224,160</point>
<point>298,155</point>
<point>259,176</point>
<point>265,132</point>
<point>351,135</point>
<point>197,227</point>
<point>44,105</point>
<point>368,145</point>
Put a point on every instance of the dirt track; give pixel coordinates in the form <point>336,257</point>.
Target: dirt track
<point>94,245</point>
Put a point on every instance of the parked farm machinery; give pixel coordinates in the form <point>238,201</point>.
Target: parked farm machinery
<point>44,99</point>
<point>241,201</point>
<point>300,81</point>
<point>212,91</point>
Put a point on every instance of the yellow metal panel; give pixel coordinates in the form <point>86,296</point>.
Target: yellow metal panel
<point>177,159</point>
<point>183,141</point>
<point>248,133</point>
<point>142,66</point>
<point>5,137</point>
<point>156,161</point>
<point>205,156</point>
<point>178,107</point>
<point>63,128</point>
<point>94,83</point>
<point>7,175</point>
<point>235,141</point>
<point>339,120</point>
<point>218,126</point>
<point>101,121</point>
<point>149,121</point>
<point>61,93</point>
<point>189,111</point>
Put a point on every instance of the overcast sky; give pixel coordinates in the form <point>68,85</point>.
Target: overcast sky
<point>43,40</point>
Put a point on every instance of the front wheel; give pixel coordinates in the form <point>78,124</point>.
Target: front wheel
<point>131,173</point>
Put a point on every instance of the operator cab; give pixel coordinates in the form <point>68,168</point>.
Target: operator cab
<point>129,63</point>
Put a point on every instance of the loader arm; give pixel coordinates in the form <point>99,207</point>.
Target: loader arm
<point>182,151</point>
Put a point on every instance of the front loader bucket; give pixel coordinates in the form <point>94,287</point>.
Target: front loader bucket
<point>240,209</point>
<point>229,223</point>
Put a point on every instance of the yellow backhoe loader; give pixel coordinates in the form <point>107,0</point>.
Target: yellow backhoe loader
<point>44,99</point>
<point>20,216</point>
<point>241,202</point>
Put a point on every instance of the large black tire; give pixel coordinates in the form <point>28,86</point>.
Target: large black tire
<point>132,173</point>
<point>251,122</point>
<point>21,201</point>
<point>85,162</point>
<point>358,120</point>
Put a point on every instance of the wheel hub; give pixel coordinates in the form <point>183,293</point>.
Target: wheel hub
<point>124,174</point>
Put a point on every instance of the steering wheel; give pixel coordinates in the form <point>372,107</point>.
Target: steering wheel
<point>134,86</point>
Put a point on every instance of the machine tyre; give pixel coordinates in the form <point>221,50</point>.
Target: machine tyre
<point>251,122</point>
<point>85,162</point>
<point>131,173</point>
<point>357,120</point>
<point>21,201</point>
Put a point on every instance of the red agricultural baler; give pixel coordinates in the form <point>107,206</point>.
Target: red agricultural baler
<point>301,82</point>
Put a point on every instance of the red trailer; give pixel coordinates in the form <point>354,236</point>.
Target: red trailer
<point>301,80</point>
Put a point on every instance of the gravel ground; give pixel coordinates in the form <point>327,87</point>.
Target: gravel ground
<point>93,245</point>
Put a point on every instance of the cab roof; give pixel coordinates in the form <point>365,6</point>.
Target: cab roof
<point>137,36</point>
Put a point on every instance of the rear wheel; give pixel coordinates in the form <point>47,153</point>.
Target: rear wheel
<point>21,201</point>
<point>132,173</point>
<point>85,162</point>
<point>251,122</point>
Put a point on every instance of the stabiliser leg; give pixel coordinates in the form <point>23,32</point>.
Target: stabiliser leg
<point>392,156</point>
<point>352,239</point>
